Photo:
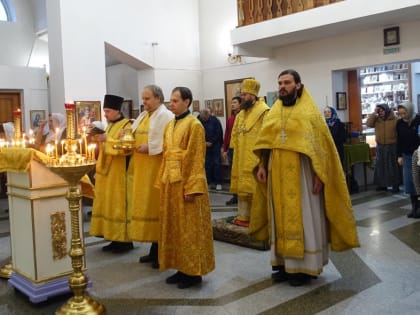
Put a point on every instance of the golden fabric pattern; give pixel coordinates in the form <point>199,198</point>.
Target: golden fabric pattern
<point>18,159</point>
<point>142,196</point>
<point>244,134</point>
<point>186,238</point>
<point>308,134</point>
<point>109,211</point>
<point>287,194</point>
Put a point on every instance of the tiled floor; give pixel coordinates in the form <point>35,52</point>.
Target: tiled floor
<point>380,277</point>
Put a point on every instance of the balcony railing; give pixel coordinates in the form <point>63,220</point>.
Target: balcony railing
<point>254,11</point>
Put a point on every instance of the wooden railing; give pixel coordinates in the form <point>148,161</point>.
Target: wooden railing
<point>254,11</point>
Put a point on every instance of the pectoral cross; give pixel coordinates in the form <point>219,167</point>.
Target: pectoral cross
<point>283,136</point>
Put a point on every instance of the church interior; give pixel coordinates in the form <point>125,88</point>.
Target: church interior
<point>351,54</point>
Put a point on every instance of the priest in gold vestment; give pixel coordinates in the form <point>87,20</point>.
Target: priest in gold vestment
<point>244,133</point>
<point>186,236</point>
<point>142,196</point>
<point>307,203</point>
<point>109,211</point>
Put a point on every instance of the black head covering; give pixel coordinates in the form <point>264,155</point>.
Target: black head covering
<point>113,102</point>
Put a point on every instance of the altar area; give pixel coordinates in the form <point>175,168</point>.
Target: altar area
<point>40,224</point>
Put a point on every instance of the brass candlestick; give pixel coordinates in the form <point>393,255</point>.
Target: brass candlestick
<point>80,303</point>
<point>6,270</point>
<point>71,167</point>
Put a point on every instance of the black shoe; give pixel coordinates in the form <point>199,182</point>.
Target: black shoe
<point>152,257</point>
<point>175,278</point>
<point>299,279</point>
<point>122,247</point>
<point>381,188</point>
<point>281,275</point>
<point>189,281</point>
<point>109,247</point>
<point>232,201</point>
<point>410,214</point>
<point>146,259</point>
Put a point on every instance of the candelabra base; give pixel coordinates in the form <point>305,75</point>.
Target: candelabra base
<point>6,271</point>
<point>81,305</point>
<point>40,292</point>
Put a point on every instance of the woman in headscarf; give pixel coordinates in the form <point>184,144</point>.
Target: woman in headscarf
<point>387,172</point>
<point>337,130</point>
<point>408,141</point>
<point>50,130</point>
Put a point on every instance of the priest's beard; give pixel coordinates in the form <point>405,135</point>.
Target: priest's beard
<point>288,99</point>
<point>247,104</point>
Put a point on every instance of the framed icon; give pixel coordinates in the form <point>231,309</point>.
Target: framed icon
<point>232,88</point>
<point>86,113</point>
<point>218,109</point>
<point>36,116</point>
<point>195,105</point>
<point>341,99</point>
<point>127,109</point>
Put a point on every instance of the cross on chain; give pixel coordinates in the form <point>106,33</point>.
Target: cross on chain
<point>283,136</point>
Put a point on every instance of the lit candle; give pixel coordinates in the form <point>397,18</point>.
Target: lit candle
<point>93,151</point>
<point>90,155</point>
<point>85,140</point>
<point>62,147</point>
<point>80,146</point>
<point>56,149</point>
<point>31,136</point>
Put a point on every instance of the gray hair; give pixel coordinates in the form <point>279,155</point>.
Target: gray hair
<point>156,91</point>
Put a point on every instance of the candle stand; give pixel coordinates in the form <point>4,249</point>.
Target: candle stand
<point>71,168</point>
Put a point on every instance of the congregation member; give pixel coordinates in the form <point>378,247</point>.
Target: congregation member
<point>307,201</point>
<point>49,131</point>
<point>186,237</point>
<point>227,152</point>
<point>408,140</point>
<point>387,171</point>
<point>337,130</point>
<point>244,134</point>
<point>214,140</point>
<point>109,210</point>
<point>142,196</point>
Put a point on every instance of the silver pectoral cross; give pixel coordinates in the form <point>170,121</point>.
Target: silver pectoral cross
<point>283,136</point>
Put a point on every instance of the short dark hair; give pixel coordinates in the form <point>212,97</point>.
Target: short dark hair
<point>238,98</point>
<point>292,72</point>
<point>185,92</point>
<point>296,77</point>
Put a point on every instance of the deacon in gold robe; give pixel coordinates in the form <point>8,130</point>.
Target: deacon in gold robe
<point>142,196</point>
<point>186,236</point>
<point>244,134</point>
<point>307,203</point>
<point>109,211</point>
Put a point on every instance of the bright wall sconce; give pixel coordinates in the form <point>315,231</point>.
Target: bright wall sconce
<point>232,59</point>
